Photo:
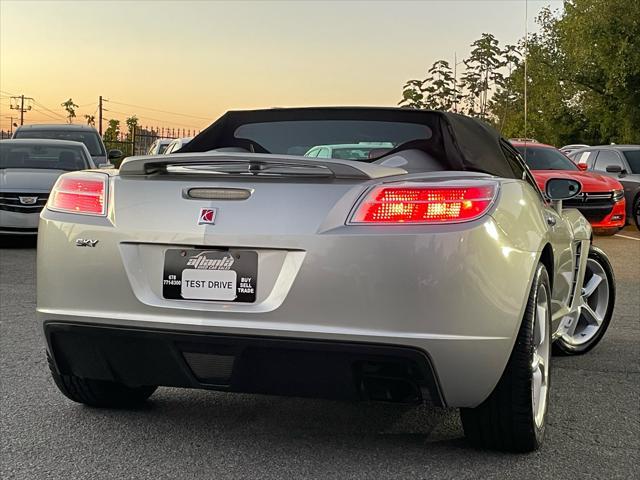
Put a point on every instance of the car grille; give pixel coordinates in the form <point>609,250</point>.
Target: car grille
<point>23,202</point>
<point>593,205</point>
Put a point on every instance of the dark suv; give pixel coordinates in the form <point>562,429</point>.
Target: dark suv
<point>621,162</point>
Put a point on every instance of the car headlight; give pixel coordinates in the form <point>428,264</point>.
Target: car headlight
<point>618,195</point>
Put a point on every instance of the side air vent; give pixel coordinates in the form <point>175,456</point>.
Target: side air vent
<point>576,269</point>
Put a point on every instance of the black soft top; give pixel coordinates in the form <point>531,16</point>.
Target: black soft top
<point>461,142</point>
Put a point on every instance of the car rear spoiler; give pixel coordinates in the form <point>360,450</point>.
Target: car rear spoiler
<point>244,164</point>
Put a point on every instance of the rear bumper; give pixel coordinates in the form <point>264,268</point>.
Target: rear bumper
<point>456,293</point>
<point>268,365</point>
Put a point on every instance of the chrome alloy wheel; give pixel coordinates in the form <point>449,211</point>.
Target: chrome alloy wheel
<point>594,303</point>
<point>540,358</point>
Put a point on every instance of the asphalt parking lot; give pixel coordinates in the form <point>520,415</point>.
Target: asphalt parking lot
<point>593,432</point>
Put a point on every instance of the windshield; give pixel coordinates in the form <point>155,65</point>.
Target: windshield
<point>90,139</point>
<point>633,158</point>
<point>544,158</point>
<point>42,156</point>
<point>300,137</point>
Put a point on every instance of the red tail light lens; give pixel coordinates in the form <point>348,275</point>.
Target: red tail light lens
<point>83,194</point>
<point>419,204</point>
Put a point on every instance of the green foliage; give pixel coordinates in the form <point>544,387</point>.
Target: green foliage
<point>112,133</point>
<point>583,77</point>
<point>438,91</point>
<point>91,120</point>
<point>482,74</point>
<point>70,108</point>
<point>132,123</point>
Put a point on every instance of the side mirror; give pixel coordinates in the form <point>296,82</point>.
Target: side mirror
<point>614,169</point>
<point>583,167</point>
<point>114,154</point>
<point>562,188</point>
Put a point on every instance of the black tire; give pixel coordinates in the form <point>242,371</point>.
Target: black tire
<point>505,420</point>
<point>560,346</point>
<point>636,212</point>
<point>99,393</point>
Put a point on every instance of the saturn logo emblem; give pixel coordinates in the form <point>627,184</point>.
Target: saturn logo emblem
<point>207,216</point>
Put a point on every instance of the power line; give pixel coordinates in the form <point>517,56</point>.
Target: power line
<point>45,114</point>
<point>49,110</point>
<point>160,111</point>
<point>150,118</point>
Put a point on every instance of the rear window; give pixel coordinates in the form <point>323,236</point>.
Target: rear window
<point>633,159</point>
<point>545,158</point>
<point>42,157</point>
<point>90,139</point>
<point>299,137</point>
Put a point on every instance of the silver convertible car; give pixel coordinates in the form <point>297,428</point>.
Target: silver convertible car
<point>435,272</point>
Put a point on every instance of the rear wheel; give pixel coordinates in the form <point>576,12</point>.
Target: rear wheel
<point>99,393</point>
<point>597,298</point>
<point>636,212</point>
<point>513,418</point>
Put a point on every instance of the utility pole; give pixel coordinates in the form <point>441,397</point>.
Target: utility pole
<point>100,115</point>
<point>11,118</point>
<point>14,106</point>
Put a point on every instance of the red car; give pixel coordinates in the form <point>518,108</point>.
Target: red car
<point>602,198</point>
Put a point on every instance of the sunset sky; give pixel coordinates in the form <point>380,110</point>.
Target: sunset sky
<point>201,58</point>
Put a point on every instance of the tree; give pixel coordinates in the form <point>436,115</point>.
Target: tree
<point>483,74</point>
<point>583,78</point>
<point>441,87</point>
<point>70,108</point>
<point>436,92</point>
<point>112,133</point>
<point>132,123</point>
<point>412,94</point>
<point>91,120</point>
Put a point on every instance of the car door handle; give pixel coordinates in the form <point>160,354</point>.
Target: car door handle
<point>551,221</point>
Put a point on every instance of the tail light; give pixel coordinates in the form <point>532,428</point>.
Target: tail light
<point>416,203</point>
<point>81,193</point>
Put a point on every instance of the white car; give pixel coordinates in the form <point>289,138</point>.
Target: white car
<point>159,146</point>
<point>568,149</point>
<point>176,144</point>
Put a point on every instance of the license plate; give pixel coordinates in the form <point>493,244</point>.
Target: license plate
<point>219,275</point>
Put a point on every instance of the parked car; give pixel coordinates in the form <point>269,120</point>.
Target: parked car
<point>77,133</point>
<point>568,149</point>
<point>621,162</point>
<point>249,269</point>
<point>602,199</point>
<point>176,144</point>
<point>159,146</point>
<point>351,151</point>
<point>28,170</point>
